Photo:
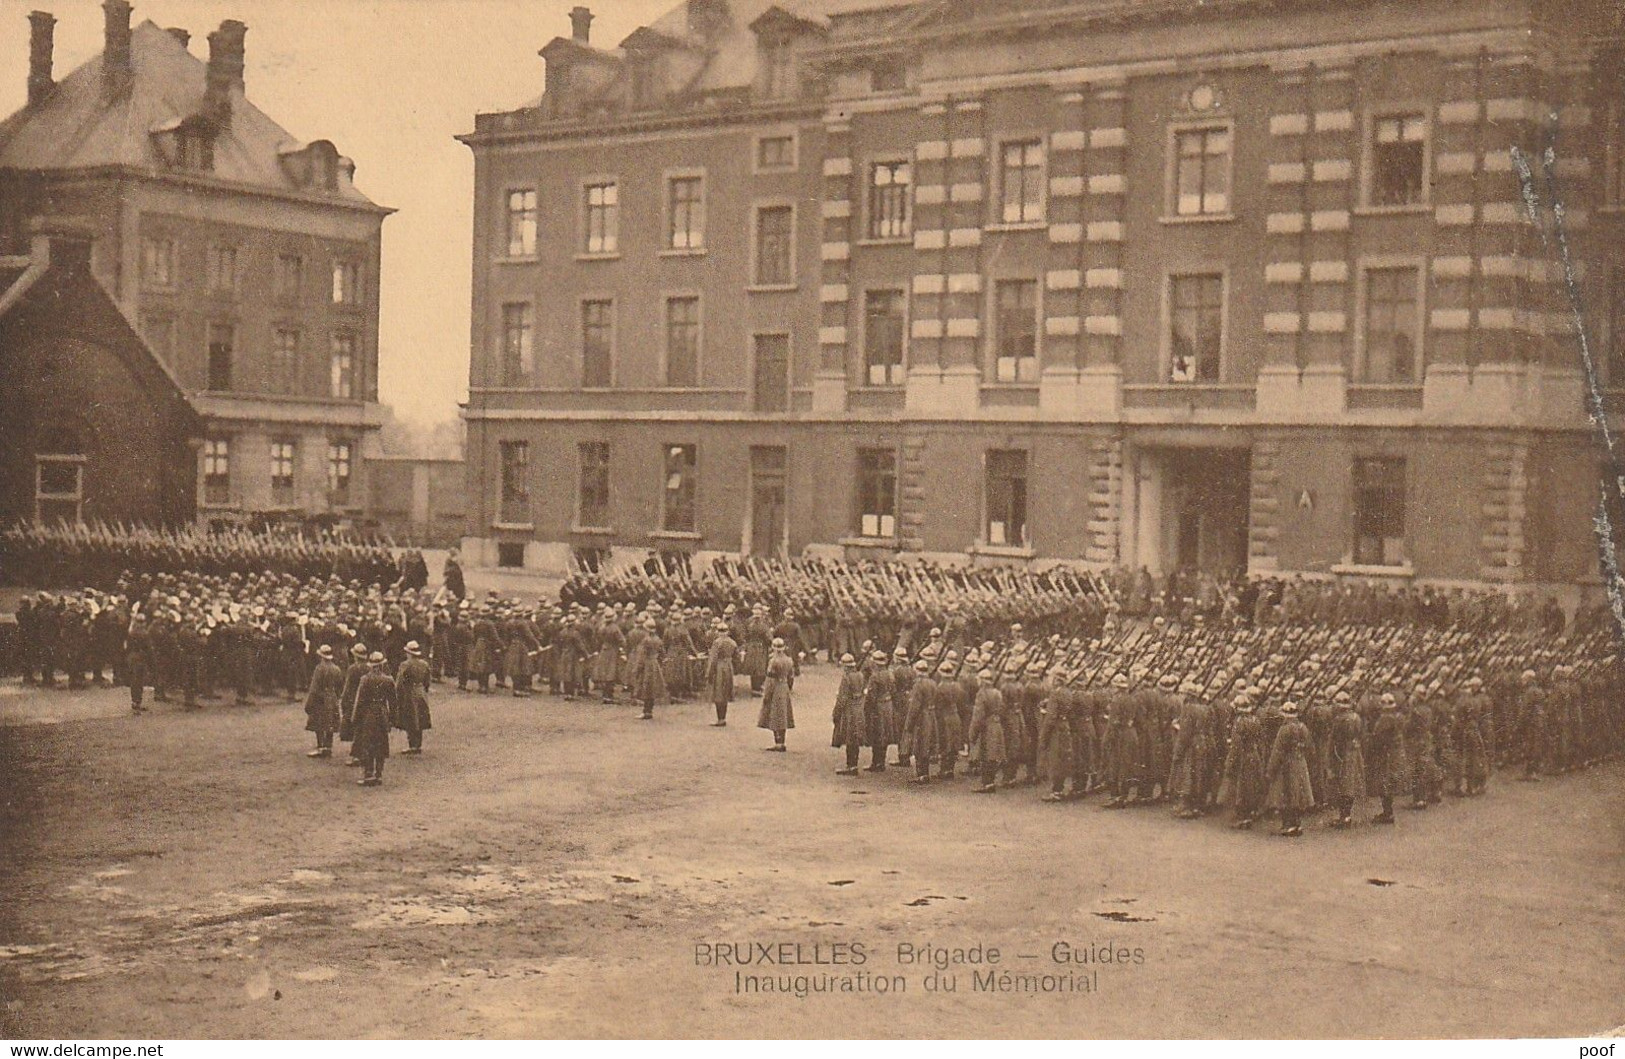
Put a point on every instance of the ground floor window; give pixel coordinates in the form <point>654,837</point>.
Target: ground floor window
<point>511,555</point>
<point>592,508</point>
<point>339,461</point>
<point>59,488</point>
<point>678,506</point>
<point>1379,511</point>
<point>217,471</point>
<point>1006,497</point>
<point>877,493</point>
<point>282,461</point>
<point>515,457</point>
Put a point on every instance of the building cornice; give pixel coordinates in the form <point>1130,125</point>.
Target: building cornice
<point>194,182</point>
<point>699,116</point>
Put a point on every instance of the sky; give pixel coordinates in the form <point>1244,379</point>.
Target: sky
<point>390,82</point>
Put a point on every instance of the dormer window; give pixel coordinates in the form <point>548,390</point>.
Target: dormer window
<point>778,69</point>
<point>197,150</point>
<point>645,74</point>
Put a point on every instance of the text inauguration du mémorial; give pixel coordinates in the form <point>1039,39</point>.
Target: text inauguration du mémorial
<point>803,969</point>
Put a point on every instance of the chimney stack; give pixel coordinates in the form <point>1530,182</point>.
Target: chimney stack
<point>41,35</point>
<point>225,71</point>
<point>580,24</point>
<point>117,71</point>
<point>181,35</point>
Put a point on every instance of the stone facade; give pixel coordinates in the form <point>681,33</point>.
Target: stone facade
<point>1237,286</point>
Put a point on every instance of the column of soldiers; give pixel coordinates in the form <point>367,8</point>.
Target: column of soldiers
<point>1285,719</point>
<point>79,555</point>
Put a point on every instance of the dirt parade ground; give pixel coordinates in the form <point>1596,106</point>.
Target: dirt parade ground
<point>562,869</point>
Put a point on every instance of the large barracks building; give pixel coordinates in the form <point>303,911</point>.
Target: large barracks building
<point>1238,285</point>
<point>246,259</point>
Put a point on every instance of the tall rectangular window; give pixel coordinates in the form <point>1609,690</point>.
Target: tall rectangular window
<point>771,389</point>
<point>521,223</point>
<point>603,225</point>
<point>1202,172</point>
<point>339,454</point>
<point>290,277</point>
<point>518,360</point>
<point>283,452</point>
<point>677,508</point>
<point>1021,182</point>
<point>217,471</point>
<point>1392,325</point>
<point>592,497</point>
<point>1015,330</point>
<point>1379,512</point>
<point>883,338</point>
<point>158,263</point>
<point>889,197</point>
<point>775,258</point>
<point>685,213</point>
<point>877,493</point>
<point>59,488</point>
<point>1195,327</point>
<point>597,343</point>
<point>285,360</point>
<point>346,283</point>
<point>515,482</point>
<point>778,69</point>
<point>1007,497</point>
<point>222,348</point>
<point>683,341</point>
<point>1398,159</point>
<point>343,366</point>
<point>222,269</point>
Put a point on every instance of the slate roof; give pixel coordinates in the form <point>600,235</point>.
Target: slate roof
<point>76,128</point>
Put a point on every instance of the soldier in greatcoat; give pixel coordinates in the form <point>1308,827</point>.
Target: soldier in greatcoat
<point>1192,746</point>
<point>1290,791</point>
<point>918,740</point>
<point>986,732</point>
<point>719,672</point>
<point>1345,759</point>
<point>1390,764</point>
<point>645,676</point>
<point>357,669</point>
<point>374,710</point>
<point>322,701</point>
<point>777,714</point>
<point>412,682</point>
<point>848,719</point>
<point>1243,786</point>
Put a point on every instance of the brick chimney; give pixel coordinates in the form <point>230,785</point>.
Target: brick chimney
<point>41,35</point>
<point>225,73</point>
<point>580,24</point>
<point>117,71</point>
<point>181,35</point>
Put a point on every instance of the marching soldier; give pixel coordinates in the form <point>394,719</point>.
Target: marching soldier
<point>358,669</point>
<point>1290,791</point>
<point>1390,763</point>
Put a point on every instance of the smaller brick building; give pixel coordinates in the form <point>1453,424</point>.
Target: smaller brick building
<point>92,425</point>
